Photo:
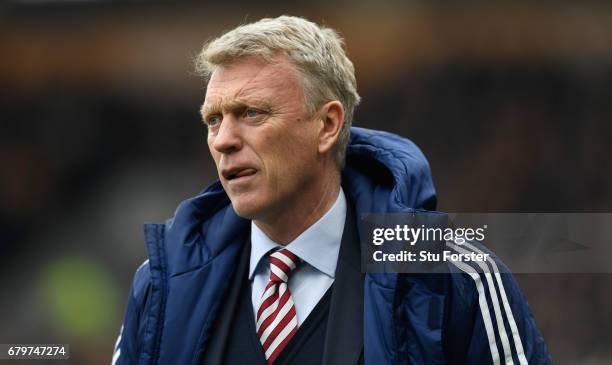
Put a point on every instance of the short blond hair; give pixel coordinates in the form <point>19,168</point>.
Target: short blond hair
<point>316,51</point>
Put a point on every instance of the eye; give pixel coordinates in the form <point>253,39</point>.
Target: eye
<point>213,121</point>
<point>251,113</point>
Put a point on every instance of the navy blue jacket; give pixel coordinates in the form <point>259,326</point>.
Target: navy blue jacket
<point>457,318</point>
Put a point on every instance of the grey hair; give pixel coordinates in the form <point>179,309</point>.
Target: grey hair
<point>316,51</point>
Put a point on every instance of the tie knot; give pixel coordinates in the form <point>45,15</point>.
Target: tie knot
<point>282,263</point>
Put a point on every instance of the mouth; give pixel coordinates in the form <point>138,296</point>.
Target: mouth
<point>237,173</point>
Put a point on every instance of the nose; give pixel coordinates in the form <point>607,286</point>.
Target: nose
<point>228,138</point>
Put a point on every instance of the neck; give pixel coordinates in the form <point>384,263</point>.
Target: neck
<point>307,208</point>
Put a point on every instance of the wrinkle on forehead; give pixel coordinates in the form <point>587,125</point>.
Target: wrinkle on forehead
<point>251,80</point>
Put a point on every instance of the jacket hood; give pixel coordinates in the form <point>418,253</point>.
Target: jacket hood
<point>387,173</point>
<point>384,173</point>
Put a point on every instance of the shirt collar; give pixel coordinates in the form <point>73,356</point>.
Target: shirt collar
<point>318,245</point>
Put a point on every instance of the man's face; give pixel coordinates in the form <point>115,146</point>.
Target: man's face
<point>262,141</point>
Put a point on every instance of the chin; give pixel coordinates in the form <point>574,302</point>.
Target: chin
<point>246,208</point>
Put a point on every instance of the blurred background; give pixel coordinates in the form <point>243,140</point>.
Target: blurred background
<point>100,132</point>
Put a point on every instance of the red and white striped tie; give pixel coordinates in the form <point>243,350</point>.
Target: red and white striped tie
<point>276,317</point>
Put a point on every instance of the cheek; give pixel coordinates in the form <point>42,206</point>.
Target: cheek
<point>291,160</point>
<point>213,153</point>
<point>301,148</point>
<point>210,140</point>
<point>286,155</point>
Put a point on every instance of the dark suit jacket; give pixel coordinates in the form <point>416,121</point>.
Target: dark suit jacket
<point>344,337</point>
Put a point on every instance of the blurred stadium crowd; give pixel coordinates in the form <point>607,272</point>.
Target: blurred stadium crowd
<point>100,132</point>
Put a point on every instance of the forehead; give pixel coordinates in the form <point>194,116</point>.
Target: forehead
<point>253,79</point>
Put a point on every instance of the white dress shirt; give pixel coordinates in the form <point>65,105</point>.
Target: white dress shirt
<point>318,247</point>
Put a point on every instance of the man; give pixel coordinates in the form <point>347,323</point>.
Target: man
<point>264,265</point>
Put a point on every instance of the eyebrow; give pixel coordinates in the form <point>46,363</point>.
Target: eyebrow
<point>233,106</point>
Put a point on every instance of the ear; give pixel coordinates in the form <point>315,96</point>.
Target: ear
<point>332,118</point>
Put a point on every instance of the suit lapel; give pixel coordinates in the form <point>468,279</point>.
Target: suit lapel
<point>344,337</point>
